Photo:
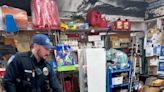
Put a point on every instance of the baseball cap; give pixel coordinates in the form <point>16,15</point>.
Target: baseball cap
<point>43,40</point>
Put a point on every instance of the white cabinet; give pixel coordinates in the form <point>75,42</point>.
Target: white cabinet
<point>92,70</point>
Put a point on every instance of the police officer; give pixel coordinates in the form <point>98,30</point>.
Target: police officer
<point>29,71</point>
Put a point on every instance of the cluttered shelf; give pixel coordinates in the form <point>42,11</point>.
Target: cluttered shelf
<point>100,30</point>
<point>103,30</point>
<point>120,85</point>
<point>120,70</point>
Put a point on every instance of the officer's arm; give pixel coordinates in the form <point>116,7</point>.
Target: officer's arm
<point>10,76</point>
<point>56,87</point>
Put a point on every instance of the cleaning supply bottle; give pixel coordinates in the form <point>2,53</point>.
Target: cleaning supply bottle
<point>127,25</point>
<point>119,24</point>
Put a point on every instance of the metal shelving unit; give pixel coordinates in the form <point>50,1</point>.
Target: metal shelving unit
<point>121,85</point>
<point>111,72</point>
<point>54,35</point>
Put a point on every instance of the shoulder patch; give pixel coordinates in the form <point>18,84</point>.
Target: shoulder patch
<point>10,59</point>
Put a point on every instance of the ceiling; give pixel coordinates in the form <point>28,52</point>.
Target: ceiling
<point>25,4</point>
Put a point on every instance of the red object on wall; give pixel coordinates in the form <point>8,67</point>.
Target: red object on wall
<point>127,25</point>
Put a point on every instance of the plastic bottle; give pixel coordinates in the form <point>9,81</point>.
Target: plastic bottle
<point>127,24</point>
<point>119,24</point>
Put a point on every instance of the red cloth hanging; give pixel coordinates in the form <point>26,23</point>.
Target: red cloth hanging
<point>45,14</point>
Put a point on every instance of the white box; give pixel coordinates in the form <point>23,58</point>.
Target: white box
<point>124,90</point>
<point>94,38</point>
<point>154,62</point>
<point>117,80</point>
<point>99,44</point>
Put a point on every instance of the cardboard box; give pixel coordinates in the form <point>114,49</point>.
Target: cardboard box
<point>162,39</point>
<point>152,61</point>
<point>1,39</point>
<point>158,82</point>
<point>149,89</point>
<point>115,44</point>
<point>116,37</point>
<point>152,70</point>
<point>124,40</point>
<point>124,45</point>
<point>10,41</point>
<point>22,47</point>
<point>113,38</point>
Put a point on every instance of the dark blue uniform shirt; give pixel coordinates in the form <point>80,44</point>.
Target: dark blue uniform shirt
<point>24,74</point>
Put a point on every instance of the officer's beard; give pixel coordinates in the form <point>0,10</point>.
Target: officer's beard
<point>45,59</point>
<point>41,60</point>
<point>41,57</point>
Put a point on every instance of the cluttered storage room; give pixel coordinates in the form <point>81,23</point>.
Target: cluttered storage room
<point>81,45</point>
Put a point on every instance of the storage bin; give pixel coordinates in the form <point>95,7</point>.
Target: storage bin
<point>117,80</point>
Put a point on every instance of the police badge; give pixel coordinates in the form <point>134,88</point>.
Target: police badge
<point>45,71</point>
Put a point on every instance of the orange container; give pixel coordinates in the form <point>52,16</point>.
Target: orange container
<point>19,15</point>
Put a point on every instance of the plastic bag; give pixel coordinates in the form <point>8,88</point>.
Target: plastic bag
<point>45,14</point>
<point>20,15</point>
<point>118,58</point>
<point>94,18</point>
<point>64,55</point>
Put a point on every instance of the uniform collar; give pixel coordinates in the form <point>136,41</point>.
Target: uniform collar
<point>34,58</point>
